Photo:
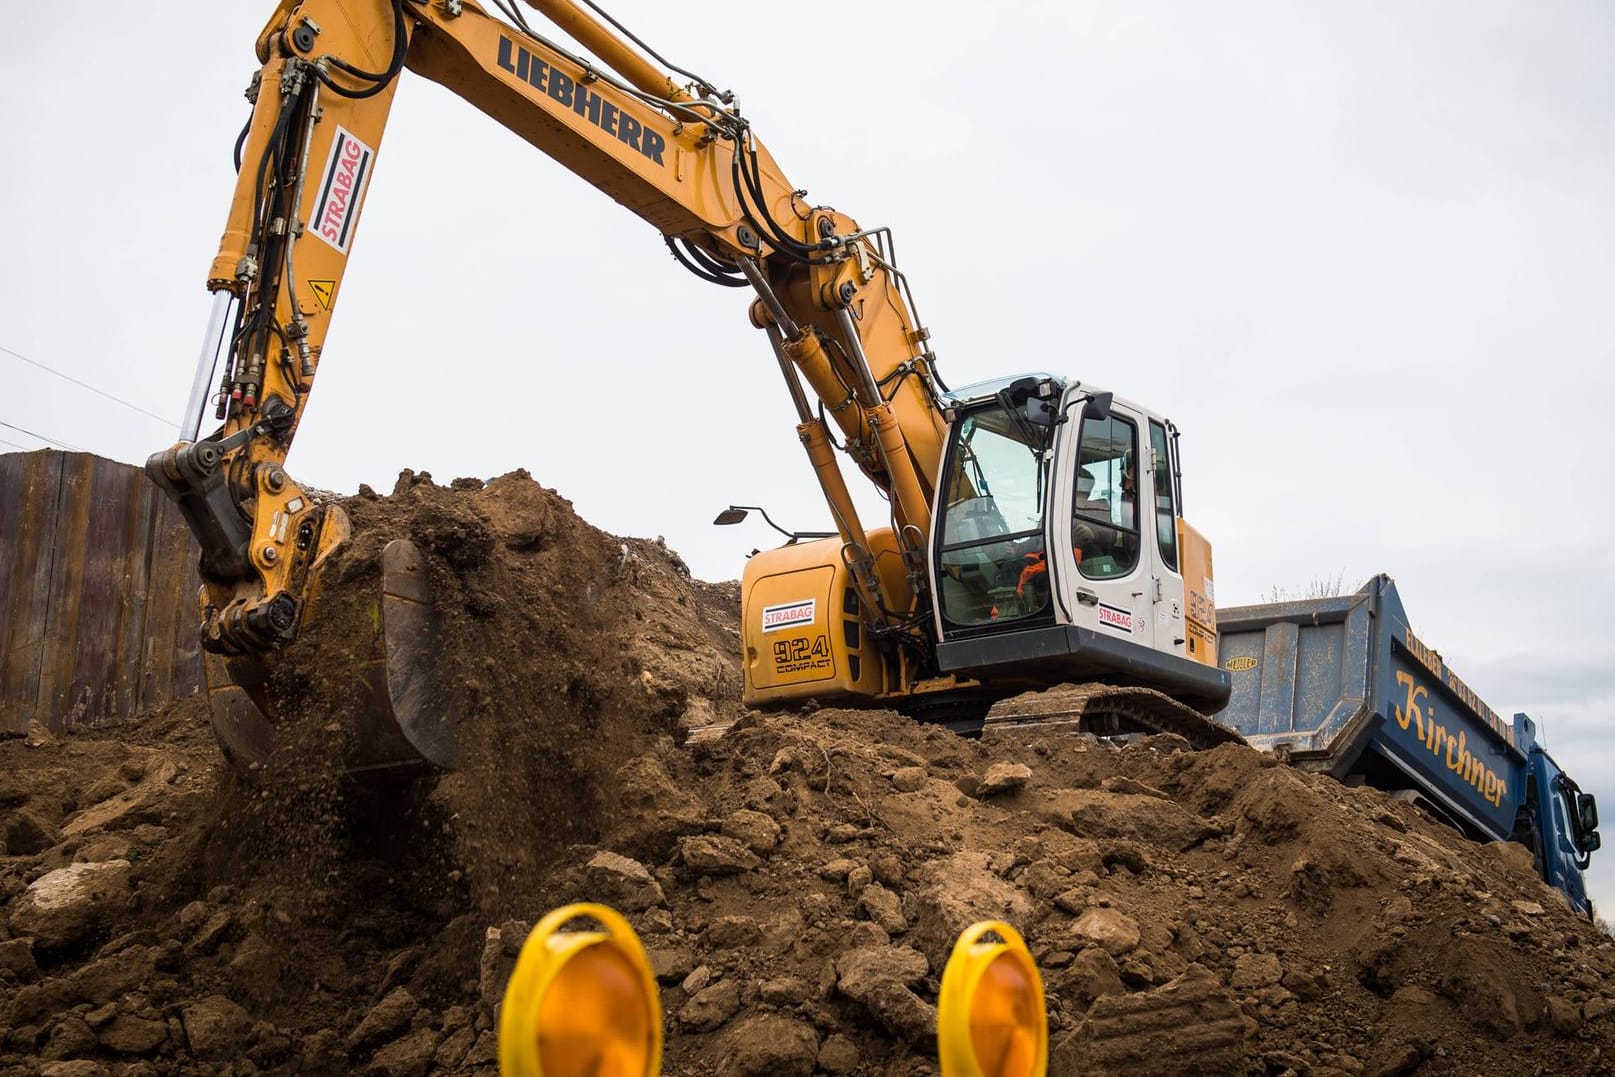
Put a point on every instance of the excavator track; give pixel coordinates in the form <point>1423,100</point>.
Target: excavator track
<point>1104,710</point>
<point>1108,710</point>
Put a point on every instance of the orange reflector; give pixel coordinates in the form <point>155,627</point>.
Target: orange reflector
<point>991,1020</point>
<point>581,1002</point>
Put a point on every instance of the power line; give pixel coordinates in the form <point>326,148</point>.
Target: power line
<point>13,444</point>
<point>86,385</point>
<point>41,437</point>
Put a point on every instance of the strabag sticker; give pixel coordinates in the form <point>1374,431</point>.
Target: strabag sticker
<point>1111,617</point>
<point>346,173</point>
<point>789,615</point>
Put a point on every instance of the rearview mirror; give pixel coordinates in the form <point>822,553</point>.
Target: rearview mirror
<point>730,515</point>
<point>1098,406</point>
<point>1039,412</point>
<point>1586,813</point>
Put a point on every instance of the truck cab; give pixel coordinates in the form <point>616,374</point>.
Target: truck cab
<point>1563,846</point>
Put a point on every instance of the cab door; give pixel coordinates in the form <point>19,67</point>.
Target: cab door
<point>1102,529</point>
<point>1171,631</point>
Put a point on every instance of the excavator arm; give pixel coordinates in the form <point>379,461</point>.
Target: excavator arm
<point>680,159</point>
<point>833,304</point>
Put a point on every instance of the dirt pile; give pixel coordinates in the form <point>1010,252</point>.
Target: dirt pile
<point>797,881</point>
<point>563,651</point>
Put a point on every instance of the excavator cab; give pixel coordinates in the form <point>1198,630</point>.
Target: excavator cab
<point>1058,549</point>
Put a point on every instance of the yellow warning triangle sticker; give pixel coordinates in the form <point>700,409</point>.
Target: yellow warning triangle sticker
<point>323,291</point>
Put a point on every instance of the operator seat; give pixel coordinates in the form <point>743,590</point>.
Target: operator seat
<point>977,518</point>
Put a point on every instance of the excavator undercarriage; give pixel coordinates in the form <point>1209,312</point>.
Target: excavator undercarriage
<point>1108,710</point>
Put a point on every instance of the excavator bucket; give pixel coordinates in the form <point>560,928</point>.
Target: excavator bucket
<point>395,717</point>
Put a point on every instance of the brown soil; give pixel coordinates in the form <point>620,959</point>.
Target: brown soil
<point>797,881</point>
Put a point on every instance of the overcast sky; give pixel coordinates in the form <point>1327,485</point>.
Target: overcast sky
<point>1363,254</point>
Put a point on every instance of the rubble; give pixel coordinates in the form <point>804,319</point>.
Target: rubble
<point>68,905</point>
<point>1003,778</point>
<point>798,881</point>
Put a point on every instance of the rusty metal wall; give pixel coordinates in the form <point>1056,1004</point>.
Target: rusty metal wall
<point>98,584</point>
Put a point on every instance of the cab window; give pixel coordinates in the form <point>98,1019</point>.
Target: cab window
<point>990,560</point>
<point>1104,515</point>
<point>1166,524</point>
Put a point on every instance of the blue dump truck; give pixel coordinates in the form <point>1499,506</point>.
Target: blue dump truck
<point>1342,686</point>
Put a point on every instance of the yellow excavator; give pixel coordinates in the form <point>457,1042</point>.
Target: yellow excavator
<point>1036,533</point>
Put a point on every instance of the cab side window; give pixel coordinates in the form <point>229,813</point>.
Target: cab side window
<point>1104,519</point>
<point>1166,524</point>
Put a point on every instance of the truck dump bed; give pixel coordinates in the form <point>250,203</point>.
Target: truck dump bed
<point>1343,685</point>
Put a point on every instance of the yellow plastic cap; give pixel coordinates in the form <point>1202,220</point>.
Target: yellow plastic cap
<point>581,1002</point>
<point>991,1019</point>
